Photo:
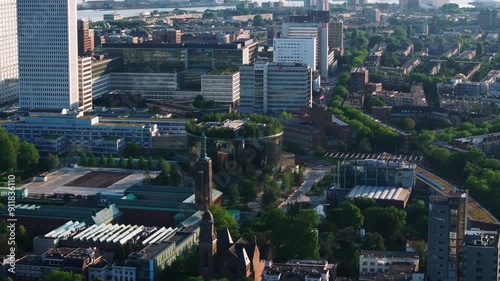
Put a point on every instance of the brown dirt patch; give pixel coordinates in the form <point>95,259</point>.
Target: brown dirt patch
<point>97,179</point>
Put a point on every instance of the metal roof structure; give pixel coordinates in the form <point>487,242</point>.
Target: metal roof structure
<point>382,156</point>
<point>380,192</point>
<point>112,233</point>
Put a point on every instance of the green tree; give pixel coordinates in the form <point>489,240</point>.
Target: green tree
<point>92,160</point>
<point>130,163</point>
<point>142,163</point>
<point>122,163</point>
<point>271,193</point>
<point>294,236</point>
<point>258,20</point>
<point>287,179</point>
<point>133,149</point>
<point>59,275</point>
<point>223,220</point>
<point>347,215</point>
<point>234,194</point>
<point>53,161</point>
<point>373,241</point>
<point>164,166</point>
<point>8,157</point>
<point>102,161</point>
<point>340,91</point>
<point>28,155</point>
<point>150,164</point>
<point>248,190</point>
<point>408,124</point>
<point>389,222</point>
<point>110,162</point>
<point>175,176</point>
<point>84,160</point>
<point>299,177</point>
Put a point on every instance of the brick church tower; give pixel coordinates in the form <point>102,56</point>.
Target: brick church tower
<point>203,177</point>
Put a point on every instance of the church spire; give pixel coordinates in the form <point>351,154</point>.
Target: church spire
<point>203,152</point>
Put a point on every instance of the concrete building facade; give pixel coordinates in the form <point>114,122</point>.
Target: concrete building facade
<point>336,37</point>
<point>447,225</point>
<point>275,87</point>
<point>48,69</point>
<point>304,30</point>
<point>481,259</point>
<point>85,83</point>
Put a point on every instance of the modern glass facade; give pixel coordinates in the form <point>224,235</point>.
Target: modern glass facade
<point>48,54</point>
<point>177,57</point>
<point>372,172</point>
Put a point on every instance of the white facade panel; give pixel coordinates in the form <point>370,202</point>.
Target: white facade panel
<point>9,74</point>
<point>295,50</point>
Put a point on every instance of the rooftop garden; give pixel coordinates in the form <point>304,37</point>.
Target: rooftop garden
<point>222,71</point>
<point>218,125</point>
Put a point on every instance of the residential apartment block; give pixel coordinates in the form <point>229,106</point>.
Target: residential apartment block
<point>481,256</point>
<point>447,225</point>
<point>373,262</point>
<point>336,36</point>
<point>489,143</point>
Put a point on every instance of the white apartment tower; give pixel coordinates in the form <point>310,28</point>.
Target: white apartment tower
<point>48,54</point>
<point>296,50</point>
<point>9,73</point>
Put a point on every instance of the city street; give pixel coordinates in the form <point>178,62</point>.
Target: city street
<point>312,175</point>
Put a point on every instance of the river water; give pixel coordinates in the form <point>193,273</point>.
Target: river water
<point>98,15</point>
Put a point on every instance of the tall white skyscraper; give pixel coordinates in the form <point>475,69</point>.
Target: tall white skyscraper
<point>48,54</point>
<point>9,74</point>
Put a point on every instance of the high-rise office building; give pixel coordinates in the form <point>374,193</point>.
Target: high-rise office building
<point>336,36</point>
<point>447,226</point>
<point>48,54</point>
<point>85,40</point>
<point>275,87</point>
<point>9,74</point>
<point>308,30</point>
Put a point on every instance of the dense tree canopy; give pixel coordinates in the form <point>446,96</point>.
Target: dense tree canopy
<point>58,275</point>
